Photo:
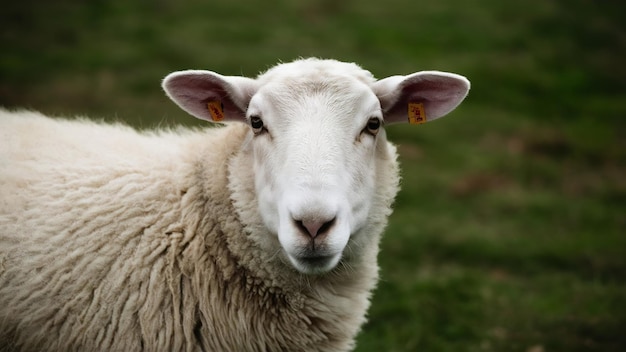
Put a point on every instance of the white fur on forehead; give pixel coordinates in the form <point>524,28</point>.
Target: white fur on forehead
<point>317,69</point>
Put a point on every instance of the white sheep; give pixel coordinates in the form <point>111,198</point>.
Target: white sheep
<point>259,236</point>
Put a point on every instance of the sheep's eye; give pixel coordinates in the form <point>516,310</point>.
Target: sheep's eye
<point>257,124</point>
<point>373,125</point>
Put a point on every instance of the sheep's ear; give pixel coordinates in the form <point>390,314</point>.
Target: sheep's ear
<point>210,96</point>
<point>420,97</point>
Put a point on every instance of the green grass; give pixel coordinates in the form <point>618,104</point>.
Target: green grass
<point>509,233</point>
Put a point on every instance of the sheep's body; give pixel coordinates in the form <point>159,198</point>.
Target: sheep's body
<point>242,238</point>
<point>117,241</point>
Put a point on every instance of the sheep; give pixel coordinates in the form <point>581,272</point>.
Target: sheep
<point>261,235</point>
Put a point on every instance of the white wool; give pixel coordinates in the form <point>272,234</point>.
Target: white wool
<point>229,238</point>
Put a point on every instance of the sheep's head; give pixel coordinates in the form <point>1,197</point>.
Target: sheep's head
<point>318,144</point>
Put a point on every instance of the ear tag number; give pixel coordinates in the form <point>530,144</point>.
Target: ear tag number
<point>417,115</point>
<point>216,109</point>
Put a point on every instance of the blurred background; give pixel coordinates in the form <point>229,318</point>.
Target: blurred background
<point>509,233</point>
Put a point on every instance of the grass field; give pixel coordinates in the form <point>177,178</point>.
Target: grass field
<point>510,231</point>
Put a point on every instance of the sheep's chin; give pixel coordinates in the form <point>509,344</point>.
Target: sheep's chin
<point>314,265</point>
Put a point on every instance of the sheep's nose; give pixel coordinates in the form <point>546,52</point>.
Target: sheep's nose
<point>314,227</point>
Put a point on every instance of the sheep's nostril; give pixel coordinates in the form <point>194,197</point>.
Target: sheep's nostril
<point>314,228</point>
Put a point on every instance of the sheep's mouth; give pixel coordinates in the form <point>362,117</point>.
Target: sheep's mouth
<point>315,264</point>
<point>316,260</point>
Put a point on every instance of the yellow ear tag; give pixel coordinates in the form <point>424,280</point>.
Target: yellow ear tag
<point>216,110</point>
<point>416,114</point>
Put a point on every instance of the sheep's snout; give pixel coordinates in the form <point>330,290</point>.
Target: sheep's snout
<point>314,234</point>
<point>314,227</point>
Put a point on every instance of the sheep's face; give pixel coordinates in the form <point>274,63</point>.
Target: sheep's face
<point>314,145</point>
<point>324,173</point>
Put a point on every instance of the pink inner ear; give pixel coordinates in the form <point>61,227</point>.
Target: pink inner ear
<point>192,92</point>
<point>440,93</point>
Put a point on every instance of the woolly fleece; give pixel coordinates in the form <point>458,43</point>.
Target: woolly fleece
<point>118,240</point>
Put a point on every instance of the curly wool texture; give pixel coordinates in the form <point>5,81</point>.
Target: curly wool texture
<point>116,240</point>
